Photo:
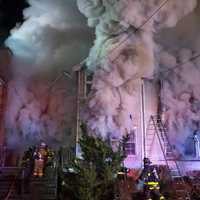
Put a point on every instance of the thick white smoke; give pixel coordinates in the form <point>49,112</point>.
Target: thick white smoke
<point>51,33</point>
<point>115,91</point>
<point>36,113</point>
<point>181,96</point>
<point>53,37</point>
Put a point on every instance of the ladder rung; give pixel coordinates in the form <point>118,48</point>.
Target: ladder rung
<point>151,135</point>
<point>169,154</point>
<point>174,171</point>
<point>149,144</point>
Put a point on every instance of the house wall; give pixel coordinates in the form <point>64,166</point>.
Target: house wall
<point>151,102</point>
<point>5,58</point>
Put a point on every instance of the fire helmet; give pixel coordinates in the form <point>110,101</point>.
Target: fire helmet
<point>147,161</point>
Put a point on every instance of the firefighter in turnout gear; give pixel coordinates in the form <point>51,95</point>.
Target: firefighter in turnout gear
<point>150,178</point>
<point>40,159</point>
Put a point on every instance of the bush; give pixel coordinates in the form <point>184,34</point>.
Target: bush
<point>94,175</point>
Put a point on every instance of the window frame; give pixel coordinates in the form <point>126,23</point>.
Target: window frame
<point>131,150</point>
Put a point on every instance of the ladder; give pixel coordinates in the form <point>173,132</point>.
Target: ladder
<point>156,129</point>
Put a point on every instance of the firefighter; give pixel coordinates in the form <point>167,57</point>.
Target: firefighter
<point>150,179</point>
<point>40,159</point>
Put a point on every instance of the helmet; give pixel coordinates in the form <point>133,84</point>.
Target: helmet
<point>147,161</point>
<point>42,145</point>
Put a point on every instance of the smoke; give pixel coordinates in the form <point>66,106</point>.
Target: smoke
<point>115,91</point>
<point>52,38</point>
<point>52,31</point>
<point>181,95</point>
<point>34,113</point>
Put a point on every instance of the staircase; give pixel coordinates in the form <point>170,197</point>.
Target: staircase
<point>12,187</point>
<point>8,183</point>
<point>156,129</point>
<point>44,188</point>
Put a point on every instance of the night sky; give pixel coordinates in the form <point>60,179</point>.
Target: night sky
<point>11,12</point>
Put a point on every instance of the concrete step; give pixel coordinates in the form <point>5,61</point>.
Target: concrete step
<point>45,190</point>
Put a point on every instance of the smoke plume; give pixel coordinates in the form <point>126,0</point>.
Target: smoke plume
<point>115,94</point>
<point>180,96</point>
<point>37,114</point>
<point>52,31</point>
<point>43,46</point>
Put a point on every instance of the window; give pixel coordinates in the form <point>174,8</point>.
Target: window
<point>130,146</point>
<point>89,78</point>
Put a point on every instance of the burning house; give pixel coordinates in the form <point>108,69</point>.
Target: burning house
<point>141,67</point>
<point>136,77</point>
<point>122,67</point>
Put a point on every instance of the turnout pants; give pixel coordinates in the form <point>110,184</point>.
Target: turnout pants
<point>152,189</point>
